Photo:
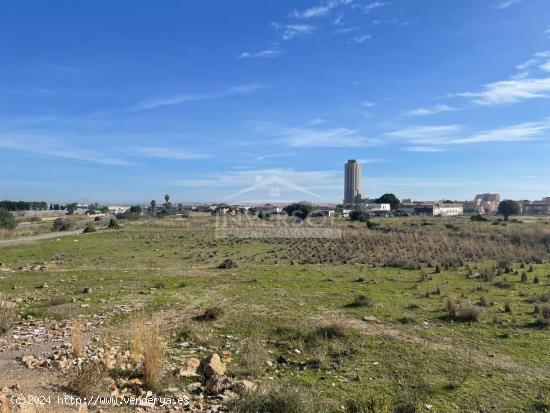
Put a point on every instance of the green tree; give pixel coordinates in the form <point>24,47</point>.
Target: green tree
<point>113,224</point>
<point>507,208</point>
<point>389,199</point>
<point>88,228</point>
<point>153,207</point>
<point>71,208</point>
<point>299,210</point>
<point>7,220</point>
<point>167,199</point>
<point>358,215</point>
<point>61,225</point>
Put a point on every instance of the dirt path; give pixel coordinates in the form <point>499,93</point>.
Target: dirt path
<point>39,237</point>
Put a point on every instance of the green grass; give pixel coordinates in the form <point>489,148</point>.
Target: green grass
<point>412,354</point>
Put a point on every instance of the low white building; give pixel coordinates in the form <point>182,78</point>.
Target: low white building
<point>117,209</point>
<point>375,207</point>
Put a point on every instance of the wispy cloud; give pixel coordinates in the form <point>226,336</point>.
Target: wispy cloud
<point>166,153</point>
<point>371,6</point>
<point>184,98</point>
<point>510,91</point>
<point>437,138</point>
<point>344,30</point>
<point>361,39</point>
<point>44,145</point>
<point>267,53</point>
<point>368,104</point>
<point>426,149</point>
<point>515,133</point>
<point>507,3</point>
<point>319,10</point>
<point>300,137</point>
<point>432,110</point>
<point>427,135</point>
<point>290,31</point>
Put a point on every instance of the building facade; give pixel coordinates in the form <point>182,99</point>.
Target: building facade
<point>352,182</point>
<point>486,203</point>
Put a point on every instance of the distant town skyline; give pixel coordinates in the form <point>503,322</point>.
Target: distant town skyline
<point>122,102</point>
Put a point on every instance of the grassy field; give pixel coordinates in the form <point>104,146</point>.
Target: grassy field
<point>358,324</point>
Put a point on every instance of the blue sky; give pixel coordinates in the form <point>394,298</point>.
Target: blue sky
<point>123,101</point>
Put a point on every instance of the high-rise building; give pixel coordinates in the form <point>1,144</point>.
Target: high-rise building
<point>352,182</point>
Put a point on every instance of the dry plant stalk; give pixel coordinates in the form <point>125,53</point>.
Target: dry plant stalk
<point>77,340</point>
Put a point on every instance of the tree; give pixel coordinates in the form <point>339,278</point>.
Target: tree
<point>104,210</point>
<point>507,208</point>
<point>88,228</point>
<point>389,199</point>
<point>61,225</point>
<point>71,208</point>
<point>299,210</point>
<point>113,224</point>
<point>167,198</point>
<point>7,220</point>
<point>358,215</point>
<point>153,207</point>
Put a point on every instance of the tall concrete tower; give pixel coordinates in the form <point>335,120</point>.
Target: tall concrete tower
<point>352,182</point>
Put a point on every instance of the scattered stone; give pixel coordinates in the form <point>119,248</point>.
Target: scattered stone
<point>243,386</point>
<point>190,367</point>
<point>218,384</point>
<point>213,366</point>
<point>87,290</point>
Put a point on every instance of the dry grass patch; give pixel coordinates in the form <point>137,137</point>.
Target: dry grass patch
<point>77,341</point>
<point>87,380</point>
<point>8,315</point>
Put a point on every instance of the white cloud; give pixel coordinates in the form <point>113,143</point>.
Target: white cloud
<point>44,145</point>
<point>289,31</point>
<point>344,30</point>
<point>427,135</point>
<point>426,149</point>
<point>511,91</point>
<point>437,138</point>
<point>300,137</point>
<point>268,53</point>
<point>316,121</point>
<point>319,10</point>
<point>362,39</point>
<point>167,153</point>
<point>430,110</point>
<point>545,66</point>
<point>371,6</point>
<point>507,3</point>
<point>367,104</point>
<point>184,98</point>
<point>515,133</point>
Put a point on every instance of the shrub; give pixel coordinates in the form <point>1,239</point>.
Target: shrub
<point>469,312</point>
<point>508,307</point>
<point>524,278</point>
<point>478,218</point>
<point>210,314</point>
<point>451,306</point>
<point>536,280</point>
<point>86,381</point>
<point>8,314</point>
<point>61,224</point>
<point>228,264</point>
<point>483,301</point>
<point>279,400</point>
<point>331,331</point>
<point>113,224</point>
<point>543,314</point>
<point>360,300</point>
<point>7,220</point>
<point>88,228</point>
